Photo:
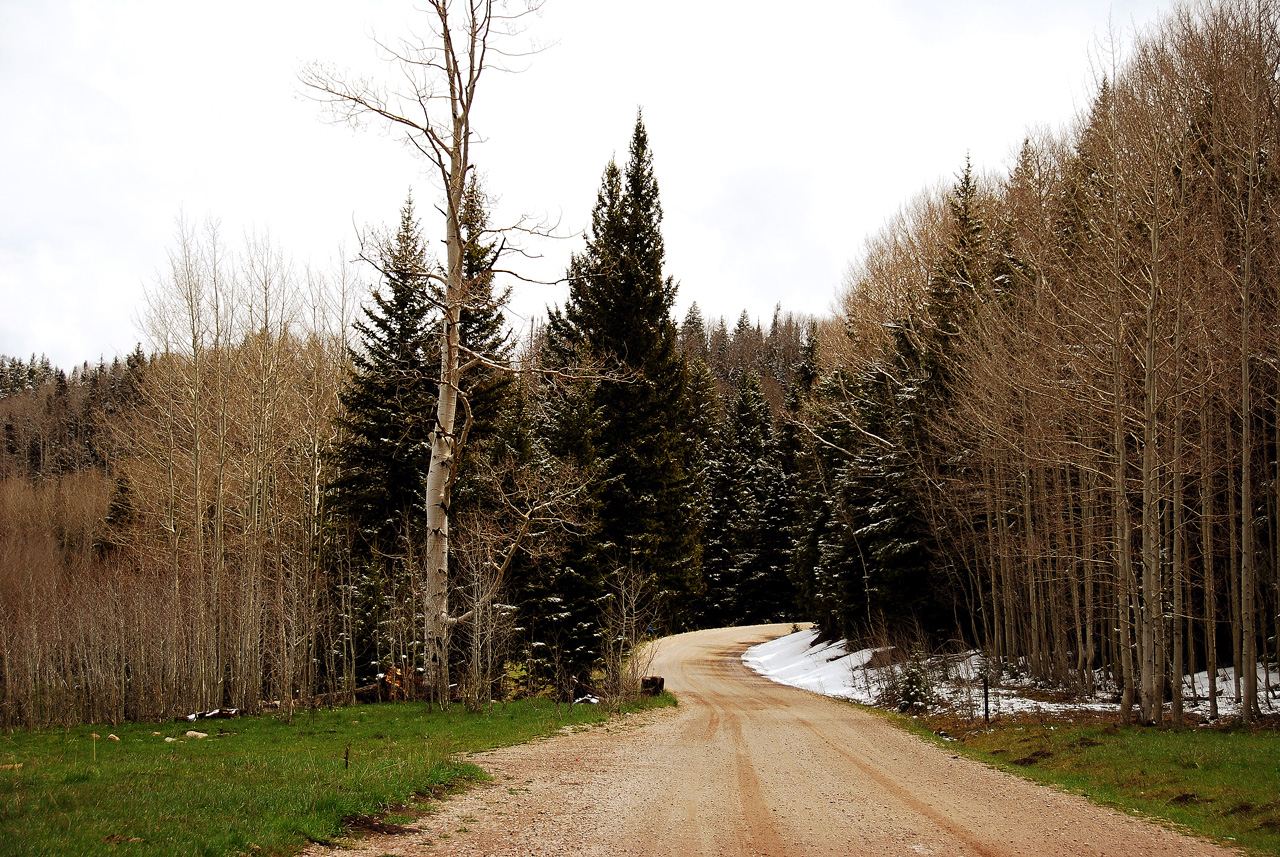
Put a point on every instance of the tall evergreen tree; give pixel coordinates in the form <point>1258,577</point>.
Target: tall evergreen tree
<point>952,290</point>
<point>761,542</point>
<point>619,315</point>
<point>874,550</point>
<point>483,325</point>
<point>384,447</point>
<point>486,388</point>
<point>693,335</point>
<point>387,399</point>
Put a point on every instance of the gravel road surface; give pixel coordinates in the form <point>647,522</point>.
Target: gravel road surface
<point>747,767</point>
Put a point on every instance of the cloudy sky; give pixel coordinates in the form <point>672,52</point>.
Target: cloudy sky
<point>781,140</point>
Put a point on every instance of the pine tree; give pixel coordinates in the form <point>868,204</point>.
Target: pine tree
<point>384,447</point>
<point>483,326</point>
<point>761,542</point>
<point>875,550</point>
<point>486,388</point>
<point>719,603</point>
<point>619,315</point>
<point>693,335</point>
<point>952,292</point>
<point>746,349</point>
<point>748,546</point>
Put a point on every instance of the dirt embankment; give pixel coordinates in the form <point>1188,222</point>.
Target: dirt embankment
<point>748,767</point>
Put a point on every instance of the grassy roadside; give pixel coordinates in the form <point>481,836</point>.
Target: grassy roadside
<point>255,785</point>
<point>1219,783</point>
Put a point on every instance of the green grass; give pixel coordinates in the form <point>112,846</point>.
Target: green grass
<point>1221,783</point>
<point>255,786</point>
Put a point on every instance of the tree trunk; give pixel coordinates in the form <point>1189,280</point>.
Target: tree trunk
<point>1233,520</point>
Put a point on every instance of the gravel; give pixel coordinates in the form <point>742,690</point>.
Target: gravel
<point>745,766</point>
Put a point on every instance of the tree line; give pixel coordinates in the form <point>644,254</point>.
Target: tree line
<point>1046,418</point>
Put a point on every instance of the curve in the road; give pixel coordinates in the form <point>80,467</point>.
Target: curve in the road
<point>747,767</point>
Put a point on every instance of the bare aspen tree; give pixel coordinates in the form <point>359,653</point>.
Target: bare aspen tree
<point>531,506</point>
<point>434,116</point>
<point>1123,532</point>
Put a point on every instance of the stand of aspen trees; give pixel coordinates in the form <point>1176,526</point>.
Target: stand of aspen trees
<point>195,577</point>
<point>1104,481</point>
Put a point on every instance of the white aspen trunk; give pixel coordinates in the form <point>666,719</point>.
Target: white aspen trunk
<point>995,637</point>
<point>439,483</point>
<point>1180,611</point>
<point>1248,623</point>
<point>198,613</point>
<point>1151,613</point>
<point>1275,564</point>
<point>1035,649</point>
<point>442,469</point>
<point>443,71</point>
<point>169,677</point>
<point>1233,540</point>
<point>1123,542</point>
<point>1179,607</point>
<point>1126,585</point>
<point>1248,630</point>
<point>1011,648</point>
<point>1090,540</point>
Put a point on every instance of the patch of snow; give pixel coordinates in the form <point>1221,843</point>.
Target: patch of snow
<point>798,660</point>
<point>827,668</point>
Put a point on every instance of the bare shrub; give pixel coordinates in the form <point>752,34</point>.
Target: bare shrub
<point>626,629</point>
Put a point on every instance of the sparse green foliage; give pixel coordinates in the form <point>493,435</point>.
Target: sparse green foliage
<point>915,689</point>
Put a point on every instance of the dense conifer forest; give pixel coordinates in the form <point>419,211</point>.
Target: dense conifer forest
<point>1043,421</point>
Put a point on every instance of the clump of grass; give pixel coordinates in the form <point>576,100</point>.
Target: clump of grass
<point>1221,783</point>
<point>254,785</point>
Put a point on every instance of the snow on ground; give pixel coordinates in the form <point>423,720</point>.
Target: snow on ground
<point>826,668</point>
<point>831,669</point>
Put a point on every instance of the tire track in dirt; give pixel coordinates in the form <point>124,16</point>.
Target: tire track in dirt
<point>761,835</point>
<point>890,785</point>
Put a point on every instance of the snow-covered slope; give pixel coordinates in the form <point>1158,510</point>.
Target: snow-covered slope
<point>827,668</point>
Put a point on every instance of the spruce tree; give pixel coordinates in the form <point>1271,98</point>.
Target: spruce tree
<point>693,335</point>
<point>871,547</point>
<point>618,315</point>
<point>952,291</point>
<point>746,562</point>
<point>483,326</point>
<point>760,535</point>
<point>482,331</point>
<point>384,448</point>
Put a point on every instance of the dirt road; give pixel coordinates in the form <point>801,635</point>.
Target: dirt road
<point>748,767</point>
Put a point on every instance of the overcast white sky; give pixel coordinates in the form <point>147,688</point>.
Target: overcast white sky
<point>781,139</point>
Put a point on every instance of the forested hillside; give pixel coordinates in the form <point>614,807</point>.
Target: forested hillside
<point>1044,421</point>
